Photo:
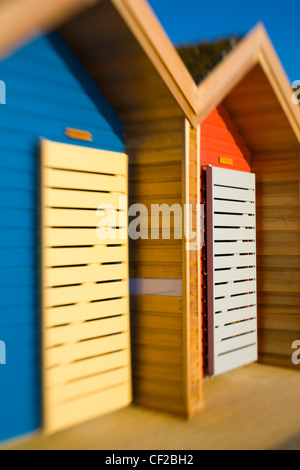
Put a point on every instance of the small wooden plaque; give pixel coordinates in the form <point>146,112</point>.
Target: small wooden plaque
<point>79,134</point>
<point>226,161</point>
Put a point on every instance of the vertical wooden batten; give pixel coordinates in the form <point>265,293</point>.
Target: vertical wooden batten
<point>200,227</point>
<point>186,263</point>
<point>191,271</point>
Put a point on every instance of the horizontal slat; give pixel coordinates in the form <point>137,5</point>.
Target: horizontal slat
<point>85,349</point>
<point>234,207</point>
<point>79,313</point>
<point>233,234</point>
<point>156,189</point>
<point>235,330</point>
<point>237,179</point>
<point>164,338</point>
<point>81,237</point>
<point>157,270</point>
<point>81,199</point>
<point>156,304</point>
<point>223,248</point>
<point>91,182</point>
<point>87,386</point>
<point>75,256</point>
<point>77,332</point>
<point>82,218</point>
<point>236,359</point>
<point>156,322</point>
<point>235,343</point>
<point>278,224</point>
<point>233,220</point>
<point>84,293</point>
<point>96,273</point>
<point>70,157</point>
<point>235,302</point>
<point>234,274</point>
<point>66,373</point>
<point>89,407</point>
<point>235,288</point>
<point>234,261</point>
<point>234,194</point>
<point>222,319</point>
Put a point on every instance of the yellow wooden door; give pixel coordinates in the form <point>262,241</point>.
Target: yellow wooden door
<point>85,285</point>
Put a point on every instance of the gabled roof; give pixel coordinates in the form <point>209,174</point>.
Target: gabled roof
<point>124,48</point>
<point>128,39</point>
<point>254,87</point>
<point>128,54</point>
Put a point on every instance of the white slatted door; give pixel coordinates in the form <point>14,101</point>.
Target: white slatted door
<point>231,277</point>
<point>86,344</point>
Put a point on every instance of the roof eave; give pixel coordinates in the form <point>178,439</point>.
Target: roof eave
<point>146,28</point>
<point>255,49</point>
<point>21,20</point>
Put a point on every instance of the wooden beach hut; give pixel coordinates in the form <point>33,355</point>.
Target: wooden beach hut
<point>105,86</point>
<point>250,124</point>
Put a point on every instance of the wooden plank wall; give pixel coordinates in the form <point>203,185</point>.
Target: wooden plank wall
<point>278,255</point>
<point>167,369</point>
<point>159,323</point>
<point>259,116</point>
<point>155,155</point>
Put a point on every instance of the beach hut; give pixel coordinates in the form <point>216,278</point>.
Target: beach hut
<point>97,97</point>
<point>250,124</point>
<point>80,101</point>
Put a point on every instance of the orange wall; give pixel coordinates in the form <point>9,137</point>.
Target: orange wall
<point>219,138</point>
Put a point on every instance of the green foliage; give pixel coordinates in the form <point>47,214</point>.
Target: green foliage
<point>200,59</point>
<point>298,94</point>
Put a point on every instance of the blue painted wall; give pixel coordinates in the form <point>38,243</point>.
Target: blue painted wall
<point>47,91</point>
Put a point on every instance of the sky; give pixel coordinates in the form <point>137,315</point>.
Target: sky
<point>187,21</point>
